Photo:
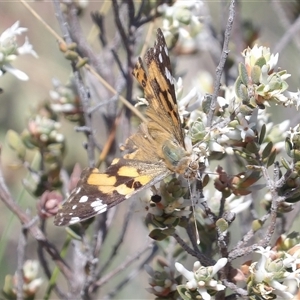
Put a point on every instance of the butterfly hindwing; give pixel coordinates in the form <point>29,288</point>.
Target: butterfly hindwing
<point>96,192</point>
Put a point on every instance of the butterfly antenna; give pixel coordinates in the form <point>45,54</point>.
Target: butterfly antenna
<point>194,213</point>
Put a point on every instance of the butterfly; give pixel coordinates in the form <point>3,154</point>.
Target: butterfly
<point>156,150</point>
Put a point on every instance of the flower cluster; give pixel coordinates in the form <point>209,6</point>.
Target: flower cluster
<point>163,283</point>
<point>65,100</point>
<point>167,209</point>
<point>275,274</point>
<point>201,280</point>
<point>31,281</point>
<point>258,83</point>
<point>9,50</point>
<point>43,137</point>
<point>182,19</point>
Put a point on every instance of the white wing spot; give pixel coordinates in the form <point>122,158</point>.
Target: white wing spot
<point>83,199</point>
<point>99,206</point>
<point>74,220</point>
<point>168,75</point>
<point>74,206</point>
<point>166,50</point>
<point>160,58</point>
<point>78,190</point>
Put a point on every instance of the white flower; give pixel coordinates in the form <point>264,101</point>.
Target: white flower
<point>252,55</point>
<point>9,50</point>
<point>27,48</point>
<point>201,278</point>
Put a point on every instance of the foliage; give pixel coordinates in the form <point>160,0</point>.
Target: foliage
<point>229,126</point>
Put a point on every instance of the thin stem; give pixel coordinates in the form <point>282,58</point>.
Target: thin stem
<point>221,65</point>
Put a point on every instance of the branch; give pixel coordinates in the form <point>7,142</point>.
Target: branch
<point>120,240</point>
<point>122,266</point>
<point>34,230</point>
<point>202,258</point>
<point>21,258</point>
<point>221,65</point>
<point>131,275</point>
<point>82,92</point>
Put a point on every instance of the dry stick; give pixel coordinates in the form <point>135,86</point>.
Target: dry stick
<point>221,65</point>
<point>235,288</point>
<point>110,139</point>
<point>239,249</point>
<point>127,39</point>
<point>202,258</point>
<point>119,242</point>
<point>274,206</point>
<point>123,266</point>
<point>21,257</point>
<point>272,215</point>
<point>83,95</point>
<point>131,275</point>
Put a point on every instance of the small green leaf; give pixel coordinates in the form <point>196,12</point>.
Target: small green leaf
<point>187,294</point>
<point>243,74</point>
<point>252,148</point>
<point>243,93</point>
<point>256,225</point>
<point>255,74</point>
<point>285,163</point>
<point>171,220</point>
<point>289,147</point>
<point>73,233</point>
<point>267,151</point>
<point>237,84</point>
<point>262,134</point>
<point>222,224</point>
<point>157,235</point>
<point>261,62</point>
<point>15,142</point>
<point>272,158</point>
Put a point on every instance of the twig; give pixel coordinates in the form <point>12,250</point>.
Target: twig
<point>241,244</point>
<point>235,288</point>
<point>82,92</point>
<point>237,252</point>
<point>21,258</point>
<point>221,65</point>
<point>120,26</point>
<point>131,275</point>
<point>120,239</point>
<point>202,258</point>
<point>123,266</point>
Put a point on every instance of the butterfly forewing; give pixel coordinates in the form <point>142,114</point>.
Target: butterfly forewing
<point>155,151</point>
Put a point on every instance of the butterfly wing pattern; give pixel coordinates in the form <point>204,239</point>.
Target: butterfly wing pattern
<point>157,149</point>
